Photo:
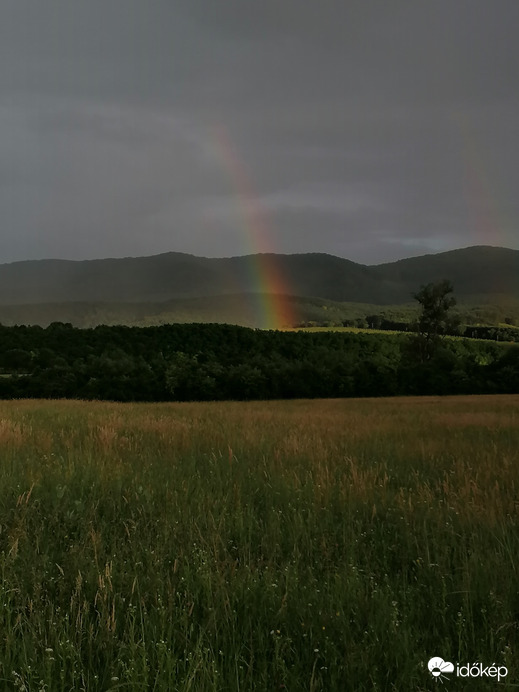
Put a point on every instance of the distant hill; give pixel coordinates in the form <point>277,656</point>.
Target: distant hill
<point>474,271</point>
<point>180,287</point>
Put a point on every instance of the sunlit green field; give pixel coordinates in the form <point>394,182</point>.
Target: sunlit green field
<point>351,330</point>
<point>365,330</point>
<point>302,545</point>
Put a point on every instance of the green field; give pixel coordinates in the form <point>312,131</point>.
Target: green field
<point>364,330</point>
<point>303,545</point>
<point>351,330</point>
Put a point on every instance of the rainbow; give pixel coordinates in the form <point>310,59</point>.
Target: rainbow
<point>267,284</point>
<point>485,214</point>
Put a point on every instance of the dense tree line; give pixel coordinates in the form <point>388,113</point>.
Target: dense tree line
<point>213,361</point>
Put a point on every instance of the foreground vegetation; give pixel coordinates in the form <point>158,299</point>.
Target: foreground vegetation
<point>304,545</point>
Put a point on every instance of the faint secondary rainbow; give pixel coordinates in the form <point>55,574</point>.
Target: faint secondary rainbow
<point>487,218</point>
<point>267,283</point>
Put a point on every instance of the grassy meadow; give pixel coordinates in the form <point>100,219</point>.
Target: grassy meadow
<point>301,545</point>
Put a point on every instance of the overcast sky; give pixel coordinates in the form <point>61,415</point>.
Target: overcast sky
<point>369,129</point>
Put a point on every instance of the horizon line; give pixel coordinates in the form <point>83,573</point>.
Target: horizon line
<point>256,254</point>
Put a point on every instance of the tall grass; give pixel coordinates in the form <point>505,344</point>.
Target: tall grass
<point>303,545</point>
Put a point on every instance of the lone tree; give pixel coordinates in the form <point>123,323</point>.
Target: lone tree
<point>434,321</point>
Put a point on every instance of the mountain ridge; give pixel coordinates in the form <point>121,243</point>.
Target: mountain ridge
<point>491,273</point>
<point>497,248</point>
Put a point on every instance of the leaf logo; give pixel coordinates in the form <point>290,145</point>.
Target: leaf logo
<point>437,667</point>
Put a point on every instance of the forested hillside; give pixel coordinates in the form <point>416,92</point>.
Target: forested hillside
<point>475,271</point>
<point>319,289</point>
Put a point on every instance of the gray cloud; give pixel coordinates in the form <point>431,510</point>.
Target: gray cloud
<point>368,129</point>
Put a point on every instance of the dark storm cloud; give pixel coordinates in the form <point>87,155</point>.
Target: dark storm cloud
<point>369,129</point>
